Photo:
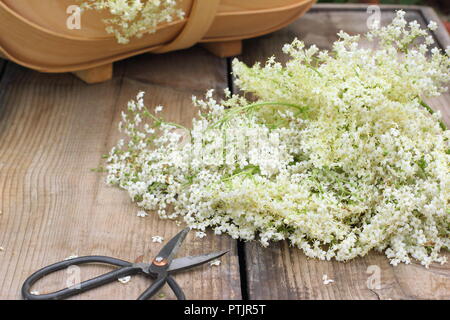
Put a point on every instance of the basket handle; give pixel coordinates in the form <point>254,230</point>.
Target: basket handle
<point>201,17</point>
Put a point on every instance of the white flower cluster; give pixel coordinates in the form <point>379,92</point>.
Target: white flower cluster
<point>134,18</point>
<point>360,163</point>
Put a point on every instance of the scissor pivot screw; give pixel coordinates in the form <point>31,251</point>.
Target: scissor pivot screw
<point>159,261</point>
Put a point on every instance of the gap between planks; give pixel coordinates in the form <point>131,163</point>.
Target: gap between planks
<point>53,130</point>
<point>283,272</point>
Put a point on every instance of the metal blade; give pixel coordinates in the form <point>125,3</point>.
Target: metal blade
<point>170,249</point>
<point>193,261</point>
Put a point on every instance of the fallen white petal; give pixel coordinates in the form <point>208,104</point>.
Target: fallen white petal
<point>124,280</point>
<point>142,214</point>
<point>215,263</point>
<point>157,239</point>
<point>200,234</point>
<point>71,257</point>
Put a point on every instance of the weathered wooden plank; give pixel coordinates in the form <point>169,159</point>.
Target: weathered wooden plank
<point>283,272</point>
<point>53,130</point>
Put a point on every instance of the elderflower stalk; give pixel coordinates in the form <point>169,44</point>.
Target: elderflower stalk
<point>361,165</point>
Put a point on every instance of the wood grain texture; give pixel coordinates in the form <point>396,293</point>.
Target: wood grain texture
<point>53,130</point>
<point>283,272</point>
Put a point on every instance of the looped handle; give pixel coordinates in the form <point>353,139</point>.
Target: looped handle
<point>159,283</point>
<point>201,17</point>
<point>126,269</point>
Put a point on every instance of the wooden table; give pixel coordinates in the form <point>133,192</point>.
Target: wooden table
<point>54,129</point>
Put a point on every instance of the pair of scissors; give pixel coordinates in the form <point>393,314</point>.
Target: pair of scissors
<point>160,269</point>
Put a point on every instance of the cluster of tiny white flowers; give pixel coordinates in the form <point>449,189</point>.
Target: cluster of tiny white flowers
<point>134,18</point>
<point>200,234</point>
<point>340,154</point>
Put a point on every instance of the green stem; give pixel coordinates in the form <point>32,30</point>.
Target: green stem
<point>431,111</point>
<point>234,111</point>
<point>158,120</point>
<point>248,171</point>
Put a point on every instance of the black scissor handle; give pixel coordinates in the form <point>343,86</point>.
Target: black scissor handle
<point>159,283</point>
<point>175,288</point>
<point>126,269</point>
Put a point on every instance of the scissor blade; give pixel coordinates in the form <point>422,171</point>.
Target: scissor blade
<point>193,261</point>
<point>171,248</point>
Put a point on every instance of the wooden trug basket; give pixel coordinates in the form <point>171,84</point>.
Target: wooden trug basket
<point>33,33</point>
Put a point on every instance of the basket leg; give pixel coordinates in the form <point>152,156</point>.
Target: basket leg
<point>96,74</point>
<point>224,49</point>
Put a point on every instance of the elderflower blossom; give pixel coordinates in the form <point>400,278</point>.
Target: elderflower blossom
<point>432,25</point>
<point>157,239</point>
<point>134,18</point>
<point>326,280</point>
<point>142,214</point>
<point>124,280</point>
<point>215,263</point>
<point>71,257</point>
<point>200,234</point>
<point>340,154</point>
